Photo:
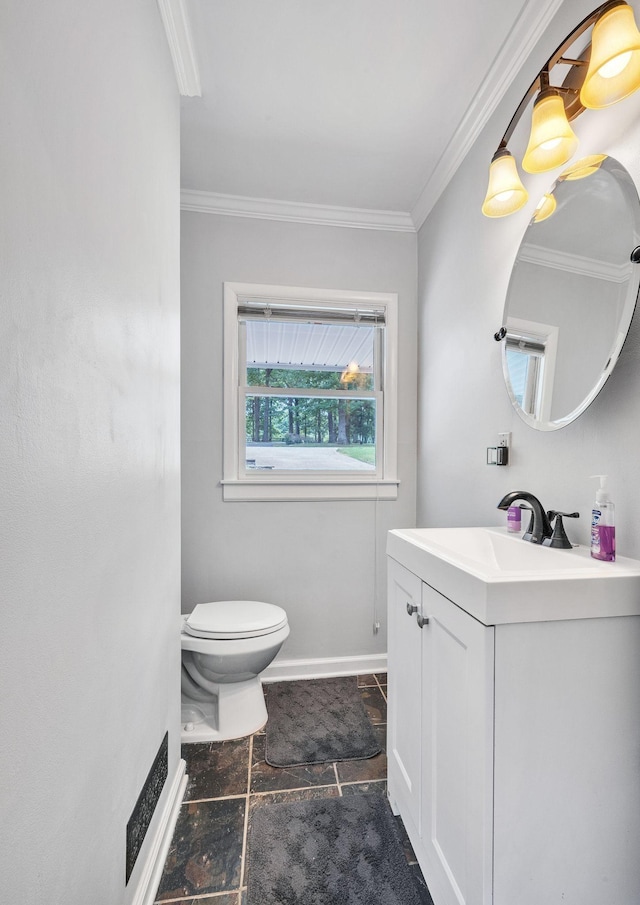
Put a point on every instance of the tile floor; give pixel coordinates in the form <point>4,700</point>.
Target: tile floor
<point>207,863</point>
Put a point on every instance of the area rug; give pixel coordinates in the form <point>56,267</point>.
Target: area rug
<point>317,721</point>
<point>328,851</point>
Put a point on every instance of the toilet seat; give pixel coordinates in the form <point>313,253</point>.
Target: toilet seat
<point>229,619</point>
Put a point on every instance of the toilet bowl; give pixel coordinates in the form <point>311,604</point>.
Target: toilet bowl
<point>225,647</point>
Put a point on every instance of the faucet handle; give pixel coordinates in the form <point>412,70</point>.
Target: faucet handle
<point>559,537</point>
<point>553,514</point>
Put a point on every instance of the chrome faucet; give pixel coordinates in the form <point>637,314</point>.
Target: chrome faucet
<point>540,529</point>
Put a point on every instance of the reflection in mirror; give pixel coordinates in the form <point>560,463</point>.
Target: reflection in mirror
<point>531,358</point>
<point>572,293</point>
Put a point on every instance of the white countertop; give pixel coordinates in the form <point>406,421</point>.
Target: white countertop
<point>498,578</point>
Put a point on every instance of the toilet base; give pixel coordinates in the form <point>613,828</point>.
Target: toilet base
<point>237,710</point>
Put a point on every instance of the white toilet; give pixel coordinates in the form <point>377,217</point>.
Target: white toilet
<point>225,646</point>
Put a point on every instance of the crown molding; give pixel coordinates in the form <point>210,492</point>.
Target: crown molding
<point>178,29</point>
<point>573,263</point>
<point>295,211</point>
<point>534,18</point>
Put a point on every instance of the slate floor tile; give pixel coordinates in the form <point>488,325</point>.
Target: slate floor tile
<point>357,788</point>
<point>259,801</point>
<point>217,769</point>
<point>206,852</point>
<point>204,865</point>
<point>375,704</point>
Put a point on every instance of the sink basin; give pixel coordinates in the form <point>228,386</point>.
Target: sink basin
<point>492,552</point>
<point>497,577</point>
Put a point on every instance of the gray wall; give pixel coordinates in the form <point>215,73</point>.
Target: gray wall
<point>322,561</point>
<point>464,266</point>
<point>89,416</point>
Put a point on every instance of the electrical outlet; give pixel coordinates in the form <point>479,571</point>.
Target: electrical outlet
<point>505,439</point>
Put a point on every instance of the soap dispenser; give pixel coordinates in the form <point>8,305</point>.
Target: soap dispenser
<point>603,530</point>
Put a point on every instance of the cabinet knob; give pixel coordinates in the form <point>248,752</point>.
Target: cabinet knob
<point>422,620</point>
<point>411,609</point>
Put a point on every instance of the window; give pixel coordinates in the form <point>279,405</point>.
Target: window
<point>310,394</point>
<point>525,361</point>
<point>530,357</point>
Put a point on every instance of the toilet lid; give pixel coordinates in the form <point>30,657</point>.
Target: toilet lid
<point>226,619</point>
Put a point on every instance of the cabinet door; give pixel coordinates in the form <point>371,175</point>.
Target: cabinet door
<point>404,692</point>
<point>457,745</point>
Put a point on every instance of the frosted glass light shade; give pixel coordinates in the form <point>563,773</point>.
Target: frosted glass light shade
<point>545,207</point>
<point>505,193</point>
<point>552,141</point>
<point>583,167</point>
<point>614,67</point>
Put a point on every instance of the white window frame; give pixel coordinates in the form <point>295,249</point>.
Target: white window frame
<point>539,392</point>
<point>237,483</point>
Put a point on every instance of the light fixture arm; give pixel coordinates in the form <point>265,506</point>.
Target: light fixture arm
<point>607,70</point>
<point>543,78</point>
<point>541,81</point>
<point>568,61</point>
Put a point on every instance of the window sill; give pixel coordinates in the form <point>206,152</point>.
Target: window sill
<point>307,490</point>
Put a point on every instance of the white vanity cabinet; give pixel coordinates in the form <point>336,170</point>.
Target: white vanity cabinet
<point>514,751</point>
<point>440,737</point>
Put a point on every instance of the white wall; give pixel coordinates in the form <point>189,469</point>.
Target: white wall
<point>89,418</point>
<point>464,266</point>
<point>323,562</point>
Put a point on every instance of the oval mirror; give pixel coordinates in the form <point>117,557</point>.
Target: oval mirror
<point>572,293</point>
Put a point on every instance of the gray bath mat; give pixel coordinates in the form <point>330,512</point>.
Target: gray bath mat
<point>328,851</point>
<point>317,721</point>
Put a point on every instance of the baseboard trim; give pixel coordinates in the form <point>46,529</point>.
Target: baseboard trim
<point>152,869</point>
<point>289,670</point>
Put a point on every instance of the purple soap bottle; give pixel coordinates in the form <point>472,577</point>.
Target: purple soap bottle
<point>514,520</point>
<point>603,528</point>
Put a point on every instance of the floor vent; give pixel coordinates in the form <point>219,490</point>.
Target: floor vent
<point>146,804</point>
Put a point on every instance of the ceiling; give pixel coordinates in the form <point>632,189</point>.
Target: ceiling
<point>347,103</point>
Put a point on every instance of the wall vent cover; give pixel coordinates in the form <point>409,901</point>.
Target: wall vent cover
<point>146,804</point>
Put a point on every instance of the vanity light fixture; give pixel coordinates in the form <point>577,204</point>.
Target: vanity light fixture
<point>579,170</point>
<point>614,67</point>
<point>584,167</point>
<point>552,141</point>
<point>506,192</point>
<point>350,373</point>
<point>545,207</point>
<point>607,70</point>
